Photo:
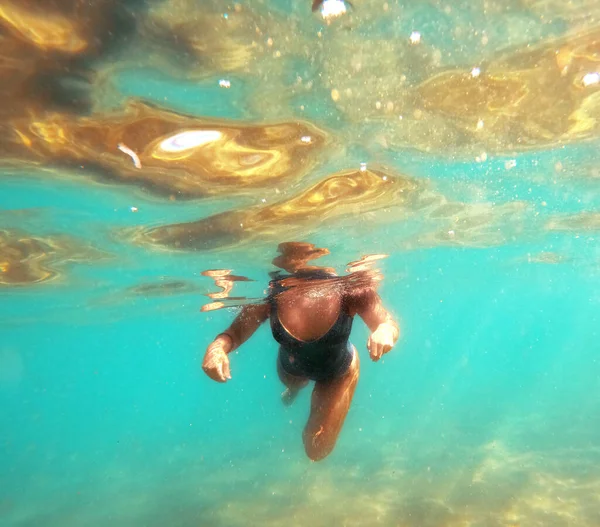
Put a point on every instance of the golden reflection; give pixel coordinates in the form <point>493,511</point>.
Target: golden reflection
<point>540,96</point>
<point>28,82</point>
<point>42,28</point>
<point>26,260</point>
<point>170,153</point>
<point>66,27</point>
<point>340,195</point>
<point>47,51</point>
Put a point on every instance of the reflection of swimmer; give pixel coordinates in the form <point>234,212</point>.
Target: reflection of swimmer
<point>225,281</point>
<point>311,312</point>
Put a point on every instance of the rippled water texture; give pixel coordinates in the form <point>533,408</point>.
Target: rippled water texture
<point>154,154</point>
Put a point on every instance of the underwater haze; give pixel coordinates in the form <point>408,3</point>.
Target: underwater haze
<point>154,154</point>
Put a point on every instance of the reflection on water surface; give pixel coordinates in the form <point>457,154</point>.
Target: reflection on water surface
<point>27,259</point>
<point>431,139</point>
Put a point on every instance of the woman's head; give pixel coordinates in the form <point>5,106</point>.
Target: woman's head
<point>294,256</point>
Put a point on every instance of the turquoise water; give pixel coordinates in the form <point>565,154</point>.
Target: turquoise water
<point>485,414</point>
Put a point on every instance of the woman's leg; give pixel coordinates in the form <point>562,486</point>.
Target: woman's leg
<point>293,384</point>
<point>329,407</point>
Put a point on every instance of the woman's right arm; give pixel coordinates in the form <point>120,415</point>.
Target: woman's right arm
<point>216,361</point>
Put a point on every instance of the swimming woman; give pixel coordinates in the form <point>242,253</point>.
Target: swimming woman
<point>311,311</point>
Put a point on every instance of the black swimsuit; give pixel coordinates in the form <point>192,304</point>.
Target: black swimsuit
<point>322,359</point>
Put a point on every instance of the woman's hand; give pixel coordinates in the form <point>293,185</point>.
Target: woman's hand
<point>382,340</point>
<point>216,361</point>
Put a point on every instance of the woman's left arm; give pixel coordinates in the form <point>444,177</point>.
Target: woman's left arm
<point>384,330</point>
